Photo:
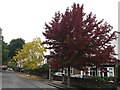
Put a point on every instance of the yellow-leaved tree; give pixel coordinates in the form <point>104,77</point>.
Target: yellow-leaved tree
<point>31,56</point>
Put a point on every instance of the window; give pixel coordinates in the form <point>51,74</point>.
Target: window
<point>71,70</point>
<point>111,71</point>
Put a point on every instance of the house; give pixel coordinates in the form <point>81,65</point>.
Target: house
<point>107,70</point>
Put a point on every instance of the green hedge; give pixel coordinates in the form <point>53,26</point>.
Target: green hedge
<point>118,72</point>
<point>103,79</point>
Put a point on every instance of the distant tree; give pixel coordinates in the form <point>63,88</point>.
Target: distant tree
<point>11,64</point>
<point>14,45</point>
<point>31,56</point>
<point>78,40</point>
<point>5,52</point>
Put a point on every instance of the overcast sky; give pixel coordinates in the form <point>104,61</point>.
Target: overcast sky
<point>26,18</point>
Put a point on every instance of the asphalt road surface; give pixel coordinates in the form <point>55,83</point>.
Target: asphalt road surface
<point>12,80</point>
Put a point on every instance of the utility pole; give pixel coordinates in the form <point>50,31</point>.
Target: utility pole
<point>118,43</point>
<point>1,56</point>
<point>116,68</point>
<point>1,47</point>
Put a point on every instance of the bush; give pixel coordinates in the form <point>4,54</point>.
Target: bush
<point>93,82</point>
<point>118,72</point>
<point>103,79</point>
<point>45,71</point>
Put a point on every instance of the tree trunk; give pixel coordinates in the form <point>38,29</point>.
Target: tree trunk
<point>30,73</point>
<point>50,74</point>
<point>63,78</point>
<point>68,78</point>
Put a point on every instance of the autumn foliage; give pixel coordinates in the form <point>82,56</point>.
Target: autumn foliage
<point>77,39</point>
<point>31,56</point>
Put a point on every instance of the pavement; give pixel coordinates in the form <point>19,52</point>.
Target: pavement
<point>57,84</point>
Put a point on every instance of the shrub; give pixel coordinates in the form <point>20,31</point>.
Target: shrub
<point>118,72</point>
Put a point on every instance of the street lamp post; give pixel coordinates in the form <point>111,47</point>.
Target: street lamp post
<point>117,32</point>
<point>1,47</point>
<point>116,68</point>
<point>118,43</point>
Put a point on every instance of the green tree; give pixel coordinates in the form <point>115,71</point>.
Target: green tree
<point>11,64</point>
<point>5,52</point>
<point>14,45</point>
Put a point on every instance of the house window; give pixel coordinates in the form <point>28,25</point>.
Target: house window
<point>71,70</point>
<point>110,72</point>
<point>110,69</point>
<point>92,71</point>
<point>66,71</point>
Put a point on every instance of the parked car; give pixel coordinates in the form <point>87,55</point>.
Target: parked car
<point>9,69</point>
<point>77,76</point>
<point>58,74</point>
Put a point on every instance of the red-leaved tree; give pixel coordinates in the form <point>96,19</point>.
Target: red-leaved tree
<point>78,40</point>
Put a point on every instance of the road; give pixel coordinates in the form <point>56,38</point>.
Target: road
<point>12,80</point>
